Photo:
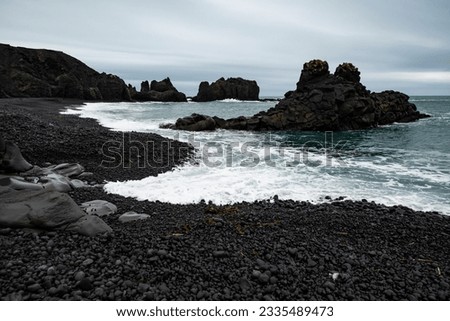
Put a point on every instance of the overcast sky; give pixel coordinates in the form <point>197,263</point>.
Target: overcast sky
<point>401,45</point>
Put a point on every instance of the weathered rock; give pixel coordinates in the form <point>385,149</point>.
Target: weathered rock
<point>196,122</point>
<point>145,87</point>
<point>76,183</point>
<point>50,182</point>
<point>52,178</point>
<point>162,90</point>
<point>393,106</point>
<point>56,182</point>
<point>19,183</point>
<point>161,86</point>
<point>47,73</point>
<point>313,70</point>
<point>46,210</point>
<point>231,88</point>
<point>348,72</point>
<point>90,226</point>
<point>99,208</point>
<point>132,216</point>
<point>69,170</point>
<point>11,159</point>
<point>321,101</point>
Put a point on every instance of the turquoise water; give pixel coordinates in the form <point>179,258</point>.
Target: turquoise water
<point>407,164</point>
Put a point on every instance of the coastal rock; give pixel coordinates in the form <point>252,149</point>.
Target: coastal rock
<point>46,210</point>
<point>69,170</point>
<point>19,183</point>
<point>11,159</point>
<point>162,86</point>
<point>196,122</point>
<point>50,182</point>
<point>162,90</point>
<point>56,182</point>
<point>89,225</point>
<point>145,87</point>
<point>47,73</point>
<point>132,216</point>
<point>322,101</point>
<point>99,208</point>
<point>231,88</point>
<point>51,178</point>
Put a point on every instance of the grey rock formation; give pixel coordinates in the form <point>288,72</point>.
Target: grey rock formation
<point>11,159</point>
<point>46,210</point>
<point>162,90</point>
<point>322,101</point>
<point>231,88</point>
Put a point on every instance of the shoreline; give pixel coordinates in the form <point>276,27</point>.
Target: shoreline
<point>281,250</point>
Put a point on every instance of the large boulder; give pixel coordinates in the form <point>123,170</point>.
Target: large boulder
<point>11,159</point>
<point>231,88</point>
<point>46,73</point>
<point>325,101</point>
<point>196,122</point>
<point>49,210</point>
<point>99,208</point>
<point>162,90</point>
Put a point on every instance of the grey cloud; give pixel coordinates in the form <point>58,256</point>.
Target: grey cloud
<point>269,41</point>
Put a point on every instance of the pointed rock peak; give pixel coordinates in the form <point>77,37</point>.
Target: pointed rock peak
<point>314,69</point>
<point>348,71</point>
<point>161,86</point>
<point>145,87</point>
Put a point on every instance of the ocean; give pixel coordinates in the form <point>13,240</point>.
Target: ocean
<point>399,164</point>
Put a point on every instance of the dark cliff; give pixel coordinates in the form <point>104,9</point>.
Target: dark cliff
<point>46,73</point>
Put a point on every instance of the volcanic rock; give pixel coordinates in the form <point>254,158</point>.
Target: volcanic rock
<point>323,101</point>
<point>132,216</point>
<point>46,73</point>
<point>11,159</point>
<point>162,90</point>
<point>99,208</point>
<point>46,210</point>
<point>231,88</point>
<point>196,122</point>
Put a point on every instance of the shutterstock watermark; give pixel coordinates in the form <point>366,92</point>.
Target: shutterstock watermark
<point>271,152</point>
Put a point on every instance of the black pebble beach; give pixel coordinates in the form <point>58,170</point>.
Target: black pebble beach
<point>267,250</point>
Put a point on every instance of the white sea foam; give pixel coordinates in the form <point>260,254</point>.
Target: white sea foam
<point>232,100</point>
<point>388,176</point>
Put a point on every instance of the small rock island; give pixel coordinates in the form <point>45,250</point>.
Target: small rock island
<point>231,88</point>
<point>322,101</point>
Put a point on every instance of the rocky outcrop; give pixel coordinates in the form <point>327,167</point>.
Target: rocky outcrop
<point>46,73</point>
<point>195,122</point>
<point>321,101</point>
<point>11,159</point>
<point>35,197</point>
<point>231,88</point>
<point>158,91</point>
<point>48,210</point>
<point>18,174</point>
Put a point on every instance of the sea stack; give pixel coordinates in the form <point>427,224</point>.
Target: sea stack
<point>324,101</point>
<point>231,88</point>
<point>162,90</point>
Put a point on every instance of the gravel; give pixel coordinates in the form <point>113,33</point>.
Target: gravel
<point>265,250</point>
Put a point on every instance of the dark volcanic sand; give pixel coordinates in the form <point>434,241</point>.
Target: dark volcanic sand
<point>279,250</point>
